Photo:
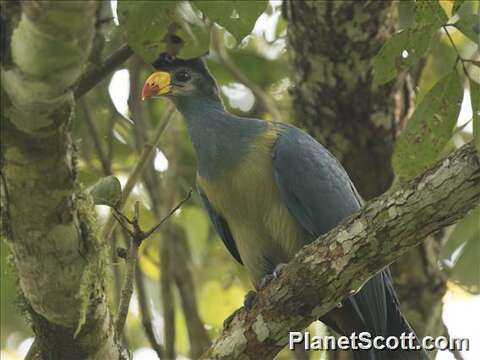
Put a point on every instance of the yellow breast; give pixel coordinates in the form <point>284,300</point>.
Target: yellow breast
<point>248,198</point>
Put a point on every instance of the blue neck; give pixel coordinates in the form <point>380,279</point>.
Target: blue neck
<point>220,139</point>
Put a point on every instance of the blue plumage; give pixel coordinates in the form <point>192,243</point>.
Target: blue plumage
<point>316,189</point>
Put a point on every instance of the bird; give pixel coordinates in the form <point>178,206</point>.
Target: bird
<point>269,189</point>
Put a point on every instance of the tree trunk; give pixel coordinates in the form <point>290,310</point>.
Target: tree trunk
<point>332,45</point>
<point>50,222</point>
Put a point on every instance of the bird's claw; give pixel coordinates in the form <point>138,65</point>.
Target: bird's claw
<point>266,280</point>
<point>278,270</point>
<point>274,275</point>
<point>249,300</point>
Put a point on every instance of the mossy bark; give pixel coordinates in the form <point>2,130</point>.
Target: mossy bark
<point>51,223</point>
<point>332,45</point>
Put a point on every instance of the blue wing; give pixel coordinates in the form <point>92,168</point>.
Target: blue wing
<point>221,226</point>
<point>316,189</point>
<point>319,194</point>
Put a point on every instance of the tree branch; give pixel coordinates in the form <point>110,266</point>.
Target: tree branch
<point>263,96</point>
<point>92,77</point>
<point>339,262</point>
<point>127,289</point>
<point>145,156</point>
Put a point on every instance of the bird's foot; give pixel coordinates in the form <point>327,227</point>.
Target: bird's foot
<point>278,270</point>
<point>269,277</point>
<point>249,300</point>
<point>248,303</point>
<point>266,280</point>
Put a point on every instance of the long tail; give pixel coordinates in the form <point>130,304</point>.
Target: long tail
<point>374,309</point>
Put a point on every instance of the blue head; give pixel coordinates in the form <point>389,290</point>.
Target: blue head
<point>220,139</point>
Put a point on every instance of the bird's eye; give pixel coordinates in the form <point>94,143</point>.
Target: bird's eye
<point>183,76</point>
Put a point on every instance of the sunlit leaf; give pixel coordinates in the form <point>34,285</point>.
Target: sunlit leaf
<point>459,256</point>
<point>475,100</point>
<point>470,26</point>
<point>429,12</point>
<point>429,128</point>
<point>148,26</point>
<point>400,52</point>
<point>237,16</point>
<point>439,63</point>
<point>107,191</point>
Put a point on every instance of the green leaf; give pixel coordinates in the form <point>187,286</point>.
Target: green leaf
<point>400,52</point>
<point>406,13</point>
<point>237,16</point>
<point>107,191</point>
<point>149,24</point>
<point>459,256</point>
<point>428,12</point>
<point>469,25</point>
<point>429,128</point>
<point>475,101</point>
<point>439,63</point>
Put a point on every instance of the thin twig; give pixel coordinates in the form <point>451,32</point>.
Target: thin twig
<point>136,233</point>
<point>145,157</point>
<point>136,238</point>
<point>92,77</point>
<point>459,57</point>
<point>179,205</point>
<point>460,128</point>
<point>151,181</point>
<point>266,99</point>
<point>127,290</point>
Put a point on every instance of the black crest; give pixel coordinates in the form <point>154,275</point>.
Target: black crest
<point>167,62</point>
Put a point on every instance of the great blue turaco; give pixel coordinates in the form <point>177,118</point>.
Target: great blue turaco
<point>269,189</point>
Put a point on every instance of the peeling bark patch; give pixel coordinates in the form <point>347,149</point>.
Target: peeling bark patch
<point>234,344</point>
<point>260,329</point>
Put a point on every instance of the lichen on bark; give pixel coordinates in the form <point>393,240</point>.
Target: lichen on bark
<point>58,257</point>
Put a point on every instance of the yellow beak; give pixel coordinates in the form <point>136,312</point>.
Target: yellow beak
<point>159,83</point>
